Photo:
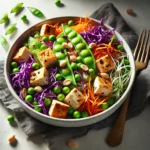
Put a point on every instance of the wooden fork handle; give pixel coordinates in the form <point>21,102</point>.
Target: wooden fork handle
<point>116,133</point>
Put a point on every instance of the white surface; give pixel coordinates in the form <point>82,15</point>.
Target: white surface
<point>137,131</point>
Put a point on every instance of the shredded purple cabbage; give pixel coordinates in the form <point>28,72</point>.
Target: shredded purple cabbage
<point>48,91</point>
<point>21,79</point>
<point>98,34</point>
<point>49,44</point>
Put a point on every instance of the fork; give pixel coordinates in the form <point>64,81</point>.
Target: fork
<point>141,56</point>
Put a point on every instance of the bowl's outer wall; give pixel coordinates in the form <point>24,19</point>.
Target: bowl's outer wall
<point>57,121</point>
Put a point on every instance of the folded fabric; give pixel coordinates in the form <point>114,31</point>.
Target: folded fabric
<point>138,101</point>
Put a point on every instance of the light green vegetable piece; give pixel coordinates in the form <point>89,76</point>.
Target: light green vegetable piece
<point>3,41</point>
<point>36,12</point>
<point>4,19</point>
<point>11,29</point>
<point>17,8</point>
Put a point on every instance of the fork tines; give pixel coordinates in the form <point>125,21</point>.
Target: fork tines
<point>141,52</point>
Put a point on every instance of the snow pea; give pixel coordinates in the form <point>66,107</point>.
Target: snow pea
<point>81,46</point>
<point>3,41</point>
<point>4,19</point>
<point>17,8</point>
<point>36,12</point>
<point>11,29</point>
<point>61,55</point>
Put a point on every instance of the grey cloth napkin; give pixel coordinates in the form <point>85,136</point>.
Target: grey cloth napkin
<point>139,97</point>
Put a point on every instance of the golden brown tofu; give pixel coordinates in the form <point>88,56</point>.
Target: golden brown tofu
<point>47,29</point>
<point>46,57</point>
<point>105,64</point>
<point>102,86</point>
<point>58,109</point>
<point>75,98</point>
<point>39,77</point>
<point>23,54</point>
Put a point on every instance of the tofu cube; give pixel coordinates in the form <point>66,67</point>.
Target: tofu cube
<point>23,54</point>
<point>47,29</point>
<point>58,109</point>
<point>39,77</point>
<point>102,86</point>
<point>75,98</point>
<point>46,57</point>
<point>105,64</point>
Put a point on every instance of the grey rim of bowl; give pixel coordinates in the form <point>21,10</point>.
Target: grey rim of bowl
<point>81,119</point>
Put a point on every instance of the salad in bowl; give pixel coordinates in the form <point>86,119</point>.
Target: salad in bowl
<point>73,69</point>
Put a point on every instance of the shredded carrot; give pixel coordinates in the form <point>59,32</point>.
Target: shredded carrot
<point>92,102</point>
<point>106,49</point>
<point>80,26</point>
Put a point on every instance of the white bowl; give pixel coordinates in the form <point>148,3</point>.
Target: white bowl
<point>66,122</point>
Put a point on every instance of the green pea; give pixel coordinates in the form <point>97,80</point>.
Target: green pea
<point>105,106</point>
<point>36,32</point>
<point>71,111</point>
<point>30,90</point>
<point>57,90</point>
<point>15,70</point>
<point>111,101</point>
<point>75,40</point>
<point>77,77</point>
<point>36,12</point>
<point>79,59</point>
<point>60,55</point>
<point>88,60</point>
<point>42,47</point>
<point>72,34</point>
<point>66,90</point>
<point>84,114</point>
<point>73,66</point>
<point>113,39</point>
<point>29,98</point>
<point>14,64</point>
<point>61,97</point>
<point>79,65</point>
<point>66,71</point>
<point>52,38</point>
<point>36,36</point>
<point>35,66</point>
<point>84,53</point>
<point>58,47</point>
<point>76,114</point>
<point>58,76</point>
<point>70,22</point>
<point>10,118</point>
<point>86,77</point>
<point>47,101</point>
<point>61,40</point>
<point>126,62</point>
<point>24,18</point>
<point>58,2</point>
<point>45,38</point>
<point>35,103</point>
<point>80,46</point>
<point>91,71</point>
<point>120,47</point>
<point>68,30</point>
<point>38,109</point>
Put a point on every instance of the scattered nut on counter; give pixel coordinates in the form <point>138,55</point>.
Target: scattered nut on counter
<point>129,11</point>
<point>12,139</point>
<point>73,144</point>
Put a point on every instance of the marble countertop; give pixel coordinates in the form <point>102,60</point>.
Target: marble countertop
<point>137,131</point>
